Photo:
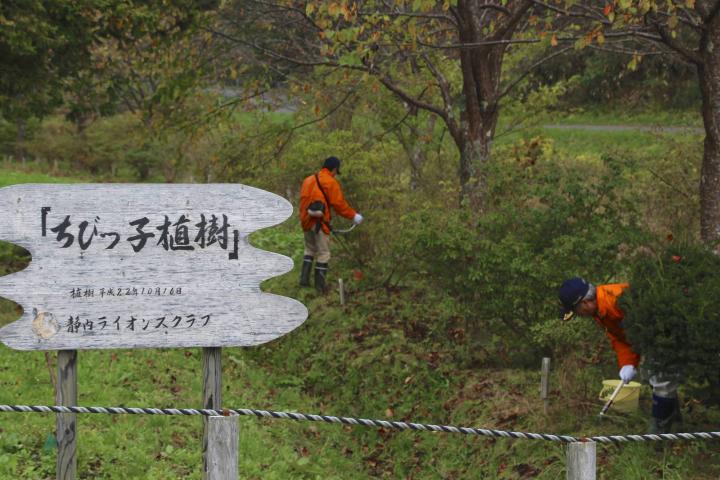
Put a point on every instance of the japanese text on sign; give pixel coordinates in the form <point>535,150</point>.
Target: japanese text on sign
<point>76,324</point>
<point>171,235</point>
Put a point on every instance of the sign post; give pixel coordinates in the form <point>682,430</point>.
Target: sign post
<point>141,266</point>
<point>212,393</point>
<point>66,427</point>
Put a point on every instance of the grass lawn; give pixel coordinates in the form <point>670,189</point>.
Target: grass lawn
<point>358,360</point>
<point>14,177</point>
<point>662,118</point>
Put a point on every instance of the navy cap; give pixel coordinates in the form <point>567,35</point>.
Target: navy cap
<point>571,292</point>
<point>332,162</point>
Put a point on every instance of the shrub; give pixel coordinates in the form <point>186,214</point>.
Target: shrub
<point>546,223</point>
<point>672,313</point>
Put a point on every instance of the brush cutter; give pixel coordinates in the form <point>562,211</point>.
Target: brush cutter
<point>339,234</point>
<point>611,399</point>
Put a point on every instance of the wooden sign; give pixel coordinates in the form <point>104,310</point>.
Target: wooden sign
<point>130,266</point>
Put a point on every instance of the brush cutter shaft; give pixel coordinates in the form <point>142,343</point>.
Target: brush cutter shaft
<point>612,398</point>
<point>347,230</point>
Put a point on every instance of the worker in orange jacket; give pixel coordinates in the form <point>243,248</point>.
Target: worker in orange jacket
<point>320,192</point>
<point>580,297</point>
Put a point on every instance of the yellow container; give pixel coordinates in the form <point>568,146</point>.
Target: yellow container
<point>627,399</point>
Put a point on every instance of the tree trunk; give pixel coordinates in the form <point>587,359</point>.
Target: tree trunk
<point>416,143</point>
<point>474,155</point>
<point>417,160</point>
<point>20,140</point>
<point>709,77</point>
<point>481,69</point>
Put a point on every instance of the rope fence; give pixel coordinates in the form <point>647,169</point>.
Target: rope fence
<point>484,432</point>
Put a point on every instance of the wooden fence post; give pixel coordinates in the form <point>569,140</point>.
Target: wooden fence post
<point>212,392</point>
<point>341,288</point>
<point>581,463</point>
<point>222,452</point>
<point>545,382</point>
<point>66,394</point>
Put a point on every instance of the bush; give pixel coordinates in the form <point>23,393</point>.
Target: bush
<point>672,313</point>
<point>546,223</point>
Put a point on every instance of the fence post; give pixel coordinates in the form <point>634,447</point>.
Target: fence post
<point>222,452</point>
<point>212,393</point>
<point>66,427</point>
<point>545,382</point>
<point>341,288</point>
<point>581,461</point>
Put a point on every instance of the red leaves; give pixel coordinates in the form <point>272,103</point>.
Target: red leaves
<point>608,9</point>
<point>676,258</point>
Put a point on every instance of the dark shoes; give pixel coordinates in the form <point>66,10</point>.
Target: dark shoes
<point>321,270</point>
<point>305,272</point>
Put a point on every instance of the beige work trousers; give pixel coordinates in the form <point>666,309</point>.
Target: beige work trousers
<point>317,245</point>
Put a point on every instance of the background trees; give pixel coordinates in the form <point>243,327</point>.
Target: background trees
<point>443,58</point>
<point>477,206</point>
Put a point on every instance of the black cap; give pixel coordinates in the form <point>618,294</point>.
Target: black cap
<point>332,162</point>
<point>571,292</point>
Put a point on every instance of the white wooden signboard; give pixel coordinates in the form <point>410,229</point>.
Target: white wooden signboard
<point>127,266</point>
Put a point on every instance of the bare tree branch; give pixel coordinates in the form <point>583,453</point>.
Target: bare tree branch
<point>532,67</point>
<point>509,25</point>
<point>667,38</point>
<point>396,14</point>
<point>289,8</point>
<point>624,51</point>
<point>443,85</point>
<point>390,85</point>
<point>567,13</point>
<point>687,20</point>
<point>294,128</point>
<point>473,45</point>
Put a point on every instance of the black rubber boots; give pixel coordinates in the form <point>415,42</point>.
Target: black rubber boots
<point>305,272</point>
<point>321,270</point>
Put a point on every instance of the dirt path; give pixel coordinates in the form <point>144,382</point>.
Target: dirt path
<point>626,128</point>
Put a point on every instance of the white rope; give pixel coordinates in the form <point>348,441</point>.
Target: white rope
<point>363,421</point>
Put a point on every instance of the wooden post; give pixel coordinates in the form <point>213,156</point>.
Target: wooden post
<point>66,394</point>
<point>212,393</point>
<point>545,382</point>
<point>222,452</point>
<point>341,288</point>
<point>581,461</point>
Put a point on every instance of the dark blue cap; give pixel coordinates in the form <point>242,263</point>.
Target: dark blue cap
<point>572,291</point>
<point>332,162</point>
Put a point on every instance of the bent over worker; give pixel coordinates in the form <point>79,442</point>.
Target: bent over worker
<point>580,297</point>
<point>320,192</point>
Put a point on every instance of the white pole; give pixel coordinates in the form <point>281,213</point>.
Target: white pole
<point>212,394</point>
<point>545,382</point>
<point>581,461</point>
<point>222,452</point>
<point>341,288</point>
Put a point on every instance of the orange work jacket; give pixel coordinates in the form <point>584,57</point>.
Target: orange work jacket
<point>610,317</point>
<point>310,192</point>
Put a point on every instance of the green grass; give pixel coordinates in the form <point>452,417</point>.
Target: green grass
<point>383,355</point>
<point>161,447</point>
<point>591,145</point>
<point>665,118</point>
<point>385,370</point>
<point>14,177</point>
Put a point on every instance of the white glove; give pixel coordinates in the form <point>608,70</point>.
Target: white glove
<point>627,373</point>
<point>357,219</point>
